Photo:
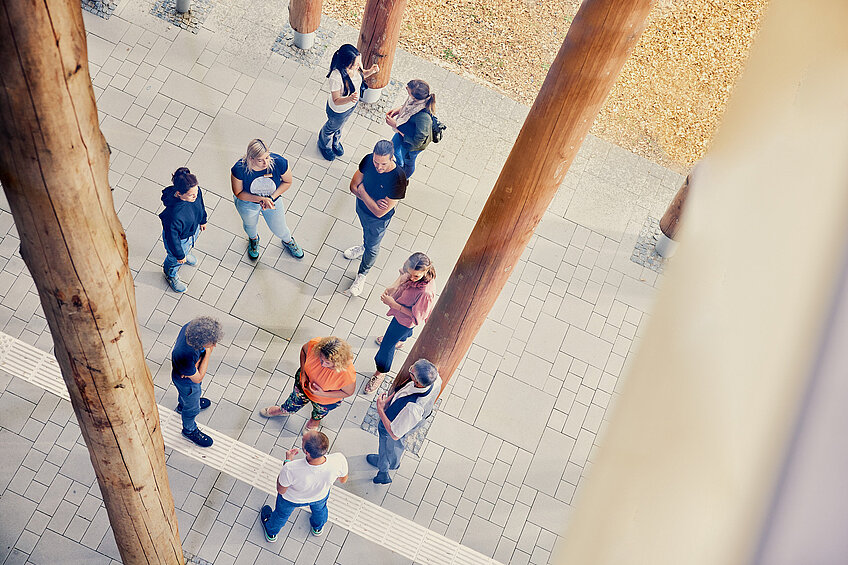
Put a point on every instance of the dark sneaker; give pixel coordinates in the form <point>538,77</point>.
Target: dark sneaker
<point>294,248</point>
<point>264,514</point>
<point>328,155</point>
<point>382,479</point>
<point>191,260</point>
<point>317,531</point>
<point>204,404</point>
<point>338,149</point>
<point>198,437</point>
<point>253,248</point>
<point>176,284</point>
<point>372,458</point>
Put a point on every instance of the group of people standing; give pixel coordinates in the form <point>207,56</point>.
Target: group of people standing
<point>326,375</point>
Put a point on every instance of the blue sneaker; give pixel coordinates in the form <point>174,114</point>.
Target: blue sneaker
<point>294,249</point>
<point>191,260</point>
<point>264,514</point>
<point>317,531</point>
<point>176,284</point>
<point>253,248</point>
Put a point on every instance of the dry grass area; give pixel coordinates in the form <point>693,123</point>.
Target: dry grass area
<point>669,98</point>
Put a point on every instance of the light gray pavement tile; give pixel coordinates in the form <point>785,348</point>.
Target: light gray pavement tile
<point>549,513</point>
<point>549,461</point>
<point>482,535</point>
<point>273,301</point>
<point>114,102</point>
<point>15,512</point>
<point>357,550</point>
<point>456,435</point>
<point>16,411</point>
<point>122,135</point>
<point>53,548</point>
<point>168,159</point>
<point>586,347</point>
<point>77,465</point>
<point>262,98</point>
<point>514,421</point>
<point>192,93</point>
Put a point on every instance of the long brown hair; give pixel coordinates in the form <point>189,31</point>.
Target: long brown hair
<point>420,262</point>
<point>420,90</point>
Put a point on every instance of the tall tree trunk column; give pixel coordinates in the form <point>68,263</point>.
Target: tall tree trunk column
<point>670,222</point>
<point>378,39</point>
<point>600,38</point>
<point>304,18</point>
<point>54,169</point>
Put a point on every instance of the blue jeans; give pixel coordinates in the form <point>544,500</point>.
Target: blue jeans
<point>276,218</point>
<point>189,392</point>
<point>373,230</point>
<point>395,333</point>
<point>331,132</point>
<point>171,265</point>
<point>284,508</point>
<point>404,158</point>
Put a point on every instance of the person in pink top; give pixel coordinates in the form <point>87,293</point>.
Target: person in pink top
<point>410,300</point>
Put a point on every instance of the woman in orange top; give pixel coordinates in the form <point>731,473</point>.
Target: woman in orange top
<point>325,377</point>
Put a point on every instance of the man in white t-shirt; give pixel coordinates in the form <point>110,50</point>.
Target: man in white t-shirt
<point>400,413</point>
<point>305,482</point>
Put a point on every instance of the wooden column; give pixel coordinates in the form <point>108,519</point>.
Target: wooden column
<point>600,39</point>
<point>378,37</point>
<point>670,222</point>
<point>304,17</point>
<point>53,167</point>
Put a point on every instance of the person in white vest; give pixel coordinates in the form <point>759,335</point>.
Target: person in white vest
<point>401,413</point>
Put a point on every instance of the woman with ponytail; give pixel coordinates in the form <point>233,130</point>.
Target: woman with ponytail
<point>410,300</point>
<point>346,76</point>
<point>412,124</point>
<point>183,219</point>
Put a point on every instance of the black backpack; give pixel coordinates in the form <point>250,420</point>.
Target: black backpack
<point>438,128</point>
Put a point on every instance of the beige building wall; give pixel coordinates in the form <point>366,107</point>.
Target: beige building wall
<point>688,468</point>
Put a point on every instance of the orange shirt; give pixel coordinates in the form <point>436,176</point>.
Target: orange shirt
<point>328,379</point>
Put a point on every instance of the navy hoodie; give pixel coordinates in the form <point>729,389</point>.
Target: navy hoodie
<point>180,220</point>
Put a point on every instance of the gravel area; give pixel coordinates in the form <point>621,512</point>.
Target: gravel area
<point>669,98</point>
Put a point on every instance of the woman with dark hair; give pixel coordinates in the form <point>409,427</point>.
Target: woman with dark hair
<point>183,218</point>
<point>346,76</point>
<point>413,124</point>
<point>410,300</point>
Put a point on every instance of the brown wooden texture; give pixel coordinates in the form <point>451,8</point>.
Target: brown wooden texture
<point>670,222</point>
<point>598,42</point>
<point>304,15</point>
<point>54,169</point>
<point>378,37</point>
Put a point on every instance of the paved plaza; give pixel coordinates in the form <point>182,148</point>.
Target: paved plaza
<point>520,420</point>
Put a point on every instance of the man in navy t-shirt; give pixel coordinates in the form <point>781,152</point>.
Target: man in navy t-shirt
<point>189,361</point>
<point>378,186</point>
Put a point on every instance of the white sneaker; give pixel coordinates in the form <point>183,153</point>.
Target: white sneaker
<point>357,286</point>
<point>354,252</point>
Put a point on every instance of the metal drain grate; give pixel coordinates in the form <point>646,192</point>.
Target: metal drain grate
<point>260,470</point>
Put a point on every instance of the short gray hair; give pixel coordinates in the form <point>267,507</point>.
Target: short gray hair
<point>384,147</point>
<point>202,331</point>
<point>425,372</point>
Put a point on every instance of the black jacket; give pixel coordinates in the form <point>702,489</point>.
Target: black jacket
<point>180,220</point>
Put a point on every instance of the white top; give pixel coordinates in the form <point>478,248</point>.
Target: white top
<point>337,84</point>
<point>414,412</point>
<point>311,483</point>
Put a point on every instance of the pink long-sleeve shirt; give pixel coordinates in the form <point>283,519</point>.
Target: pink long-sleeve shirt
<point>419,297</point>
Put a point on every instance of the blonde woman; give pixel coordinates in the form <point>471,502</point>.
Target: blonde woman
<point>410,300</point>
<point>258,180</point>
<point>326,376</point>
